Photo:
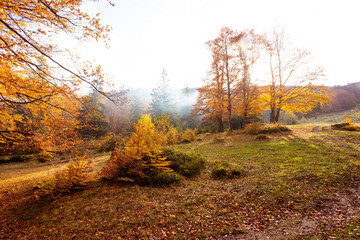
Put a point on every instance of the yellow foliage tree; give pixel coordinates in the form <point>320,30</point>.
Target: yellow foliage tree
<point>291,87</point>
<point>141,156</point>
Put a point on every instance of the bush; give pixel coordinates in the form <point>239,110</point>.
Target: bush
<point>145,162</point>
<point>158,178</point>
<point>347,125</point>
<point>188,136</point>
<point>350,127</point>
<point>141,158</point>
<point>219,172</point>
<point>172,136</point>
<point>184,164</point>
<point>253,128</point>
<point>217,139</point>
<point>256,128</point>
<point>261,137</point>
<point>227,170</point>
<point>75,176</point>
<point>288,118</point>
<point>109,143</point>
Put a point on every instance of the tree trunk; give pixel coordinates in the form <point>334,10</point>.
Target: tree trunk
<point>277,115</point>
<point>272,116</point>
<point>245,119</point>
<point>229,116</point>
<point>220,125</point>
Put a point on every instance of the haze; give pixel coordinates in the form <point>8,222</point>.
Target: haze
<point>148,36</point>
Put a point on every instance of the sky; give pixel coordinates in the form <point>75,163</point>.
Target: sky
<point>149,35</point>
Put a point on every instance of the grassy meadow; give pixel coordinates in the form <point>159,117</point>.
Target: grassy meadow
<point>302,184</point>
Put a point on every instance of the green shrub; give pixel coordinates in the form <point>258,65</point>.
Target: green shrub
<point>75,176</point>
<point>274,128</point>
<point>144,161</point>
<point>227,170</point>
<point>41,158</point>
<point>347,126</point>
<point>158,178</point>
<point>184,164</point>
<point>261,137</point>
<point>219,172</point>
<point>288,118</point>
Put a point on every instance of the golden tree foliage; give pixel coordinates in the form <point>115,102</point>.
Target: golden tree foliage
<point>162,126</point>
<point>224,51</point>
<point>291,87</point>
<point>247,98</point>
<point>211,102</point>
<point>37,92</point>
<point>141,155</point>
<point>40,127</point>
<point>228,87</point>
<point>173,136</point>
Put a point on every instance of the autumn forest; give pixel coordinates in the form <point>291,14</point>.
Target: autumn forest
<point>264,148</point>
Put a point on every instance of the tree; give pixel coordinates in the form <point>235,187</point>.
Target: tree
<point>92,121</point>
<point>228,87</point>
<point>224,49</point>
<point>247,98</point>
<point>141,156</point>
<point>33,84</point>
<point>137,109</point>
<point>211,100</point>
<point>291,87</point>
<point>161,102</point>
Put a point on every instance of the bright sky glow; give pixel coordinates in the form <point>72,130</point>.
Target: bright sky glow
<point>149,35</point>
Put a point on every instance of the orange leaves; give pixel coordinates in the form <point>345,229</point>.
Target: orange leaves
<point>228,87</point>
<point>37,93</point>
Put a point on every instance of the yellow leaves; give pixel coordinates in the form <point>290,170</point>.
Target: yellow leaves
<point>76,175</point>
<point>141,155</point>
<point>172,136</point>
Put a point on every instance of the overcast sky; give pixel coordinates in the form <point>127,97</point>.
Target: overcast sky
<point>149,35</point>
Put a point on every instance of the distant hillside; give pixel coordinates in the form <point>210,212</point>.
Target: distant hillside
<point>343,98</point>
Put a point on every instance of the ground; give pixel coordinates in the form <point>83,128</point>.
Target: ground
<point>303,184</point>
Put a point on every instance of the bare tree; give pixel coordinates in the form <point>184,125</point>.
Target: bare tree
<point>291,85</point>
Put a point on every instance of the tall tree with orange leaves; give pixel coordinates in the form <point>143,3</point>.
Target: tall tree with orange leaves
<point>211,101</point>
<point>228,88</point>
<point>224,49</point>
<point>34,85</point>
